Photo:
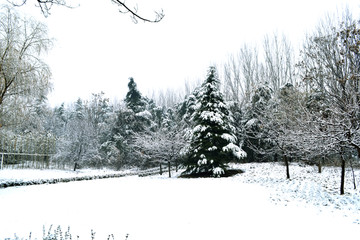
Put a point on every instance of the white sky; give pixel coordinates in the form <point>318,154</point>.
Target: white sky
<point>98,49</point>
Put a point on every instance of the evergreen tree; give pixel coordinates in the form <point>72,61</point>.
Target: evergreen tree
<point>134,100</point>
<point>135,119</point>
<point>213,142</point>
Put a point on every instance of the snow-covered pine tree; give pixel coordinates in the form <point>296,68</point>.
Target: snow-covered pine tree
<point>133,98</point>
<point>213,142</point>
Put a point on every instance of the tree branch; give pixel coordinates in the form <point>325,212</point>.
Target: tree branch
<point>136,16</point>
<point>46,5</point>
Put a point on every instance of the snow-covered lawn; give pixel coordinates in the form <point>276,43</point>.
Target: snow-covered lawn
<point>307,187</point>
<point>35,174</point>
<point>259,204</point>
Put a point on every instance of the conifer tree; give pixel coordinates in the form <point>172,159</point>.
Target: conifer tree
<point>133,98</point>
<point>213,142</point>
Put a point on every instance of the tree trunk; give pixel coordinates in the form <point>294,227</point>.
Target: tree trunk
<point>169,167</point>
<point>78,158</point>
<point>286,160</point>
<point>353,174</point>
<point>75,166</point>
<point>342,184</point>
<point>161,169</point>
<point>321,160</point>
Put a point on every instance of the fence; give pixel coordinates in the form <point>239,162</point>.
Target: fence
<point>24,160</point>
<point>26,150</point>
<point>159,170</point>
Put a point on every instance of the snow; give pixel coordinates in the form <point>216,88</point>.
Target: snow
<point>236,150</point>
<point>307,187</point>
<point>215,117</point>
<point>218,171</point>
<point>228,137</point>
<point>30,176</point>
<point>202,161</point>
<point>200,128</point>
<point>258,204</point>
<point>213,148</point>
<point>251,122</point>
<point>145,114</point>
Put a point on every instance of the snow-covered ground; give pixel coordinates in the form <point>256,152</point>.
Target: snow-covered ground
<point>27,175</point>
<point>23,177</point>
<point>307,187</point>
<point>259,204</point>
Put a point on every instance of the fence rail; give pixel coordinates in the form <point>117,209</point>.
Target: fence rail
<point>21,154</point>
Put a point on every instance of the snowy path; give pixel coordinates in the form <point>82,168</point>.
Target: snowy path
<point>154,208</point>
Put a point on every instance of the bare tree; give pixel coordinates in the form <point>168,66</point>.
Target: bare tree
<point>24,77</point>
<point>159,147</point>
<point>46,6</point>
<point>277,123</point>
<point>279,61</point>
<point>168,98</point>
<point>241,74</point>
<point>331,68</point>
<point>244,72</point>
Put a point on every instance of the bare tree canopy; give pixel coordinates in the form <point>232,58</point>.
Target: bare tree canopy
<point>46,5</point>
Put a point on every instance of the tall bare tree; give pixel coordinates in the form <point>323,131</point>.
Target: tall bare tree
<point>331,68</point>
<point>241,74</point>
<point>279,61</point>
<point>274,65</point>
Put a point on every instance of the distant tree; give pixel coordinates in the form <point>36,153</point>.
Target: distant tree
<point>159,147</point>
<point>99,111</point>
<point>254,132</point>
<point>46,5</point>
<point>135,118</point>
<point>241,75</point>
<point>279,64</point>
<point>186,109</point>
<point>273,124</point>
<point>244,72</point>
<point>72,143</point>
<point>282,120</point>
<point>182,118</point>
<point>59,119</point>
<point>82,130</point>
<point>134,100</point>
<point>118,147</point>
<point>168,98</point>
<point>162,144</point>
<point>213,143</point>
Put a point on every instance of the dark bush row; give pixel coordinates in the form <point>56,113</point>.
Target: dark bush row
<point>61,180</point>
